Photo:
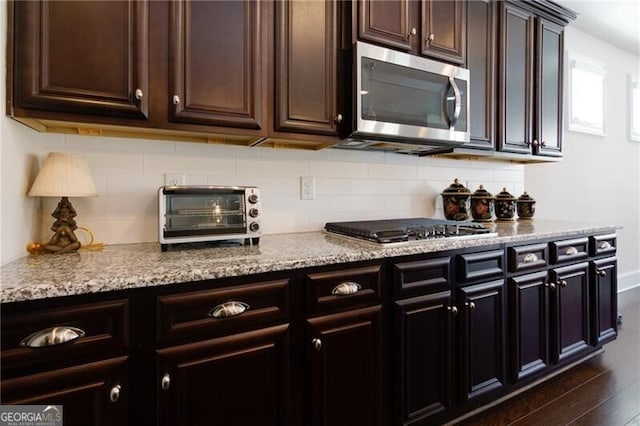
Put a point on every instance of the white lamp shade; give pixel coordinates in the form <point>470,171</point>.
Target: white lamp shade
<point>64,175</point>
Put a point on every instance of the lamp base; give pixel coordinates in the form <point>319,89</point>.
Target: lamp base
<point>64,240</point>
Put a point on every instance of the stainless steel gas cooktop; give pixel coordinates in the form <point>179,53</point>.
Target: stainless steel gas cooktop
<point>393,231</point>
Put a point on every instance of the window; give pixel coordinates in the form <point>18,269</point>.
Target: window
<point>586,95</point>
<point>633,90</point>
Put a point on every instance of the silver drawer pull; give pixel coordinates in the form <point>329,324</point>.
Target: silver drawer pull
<point>604,245</point>
<point>114,395</point>
<point>228,309</point>
<point>529,258</point>
<point>571,251</point>
<point>51,337</point>
<point>346,288</point>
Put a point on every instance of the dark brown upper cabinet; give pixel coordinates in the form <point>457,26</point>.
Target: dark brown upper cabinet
<point>429,27</point>
<point>515,101</point>
<point>386,22</point>
<point>215,64</point>
<point>444,30</point>
<point>306,67</point>
<point>481,62</point>
<point>529,83</point>
<point>549,53</point>
<point>81,57</point>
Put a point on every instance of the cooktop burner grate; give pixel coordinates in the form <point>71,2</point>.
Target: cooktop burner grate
<point>387,231</point>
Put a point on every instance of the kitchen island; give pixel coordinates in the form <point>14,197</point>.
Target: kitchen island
<point>306,328</point>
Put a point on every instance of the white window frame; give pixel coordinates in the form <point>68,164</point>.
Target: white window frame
<point>598,72</point>
<point>633,108</point>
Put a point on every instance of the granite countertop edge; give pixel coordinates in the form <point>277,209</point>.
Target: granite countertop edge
<point>129,266</point>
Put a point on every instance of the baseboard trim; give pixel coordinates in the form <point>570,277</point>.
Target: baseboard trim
<point>628,281</point>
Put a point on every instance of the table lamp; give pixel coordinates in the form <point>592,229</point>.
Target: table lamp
<point>63,175</point>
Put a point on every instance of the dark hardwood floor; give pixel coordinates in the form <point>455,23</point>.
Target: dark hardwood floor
<point>603,391</point>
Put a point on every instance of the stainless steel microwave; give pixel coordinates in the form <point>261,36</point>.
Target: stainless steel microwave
<point>190,214</point>
<point>405,98</point>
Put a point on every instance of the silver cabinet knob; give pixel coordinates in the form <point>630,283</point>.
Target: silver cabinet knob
<point>601,273</point>
<point>413,32</point>
<point>471,305</point>
<point>114,394</point>
<point>430,38</point>
<point>529,258</point>
<point>175,100</point>
<point>165,382</point>
<point>562,283</point>
<point>139,94</point>
<point>552,286</point>
<point>317,344</point>
<point>453,310</point>
<point>338,118</point>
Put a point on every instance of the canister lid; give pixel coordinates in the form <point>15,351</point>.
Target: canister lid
<point>481,192</point>
<point>505,195</point>
<point>456,188</point>
<point>526,198</point>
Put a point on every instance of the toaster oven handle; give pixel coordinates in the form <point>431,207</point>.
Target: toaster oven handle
<point>458,103</point>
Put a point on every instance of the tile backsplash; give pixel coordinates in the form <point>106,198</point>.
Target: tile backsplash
<point>349,185</point>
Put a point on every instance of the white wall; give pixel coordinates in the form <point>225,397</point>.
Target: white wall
<point>599,178</point>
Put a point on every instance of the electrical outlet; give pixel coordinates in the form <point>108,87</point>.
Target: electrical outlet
<point>307,188</point>
<point>173,179</point>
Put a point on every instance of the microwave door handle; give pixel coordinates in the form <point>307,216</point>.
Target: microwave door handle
<point>458,104</point>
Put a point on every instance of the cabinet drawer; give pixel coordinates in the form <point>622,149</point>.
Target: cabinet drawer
<point>94,330</point>
<point>421,276</point>
<point>209,313</point>
<point>602,245</point>
<point>527,258</point>
<point>569,250</point>
<point>343,289</point>
<point>482,265</point>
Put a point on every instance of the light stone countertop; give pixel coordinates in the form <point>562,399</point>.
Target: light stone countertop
<point>128,266</point>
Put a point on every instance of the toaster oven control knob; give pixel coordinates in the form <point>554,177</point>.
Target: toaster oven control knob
<point>253,212</point>
<point>253,198</point>
<point>253,226</point>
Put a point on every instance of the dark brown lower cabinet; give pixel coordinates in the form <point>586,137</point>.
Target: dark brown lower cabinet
<point>604,300</point>
<point>422,357</point>
<point>344,370</point>
<point>529,324</point>
<point>242,380</point>
<point>482,356</point>
<point>90,394</point>
<point>569,311</point>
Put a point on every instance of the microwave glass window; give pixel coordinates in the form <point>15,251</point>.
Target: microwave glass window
<point>397,94</point>
<point>206,212</point>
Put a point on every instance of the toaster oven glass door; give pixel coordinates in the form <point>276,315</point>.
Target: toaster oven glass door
<point>205,214</point>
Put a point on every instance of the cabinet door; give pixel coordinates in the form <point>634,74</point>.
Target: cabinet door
<point>570,311</point>
<point>529,324</point>
<point>443,30</point>
<point>482,339</point>
<point>386,22</point>
<point>481,36</point>
<point>549,51</point>
<point>345,368</point>
<point>307,67</point>
<point>91,394</point>
<point>422,357</point>
<point>82,57</point>
<point>215,64</point>
<point>515,79</point>
<point>604,301</point>
<point>241,379</point>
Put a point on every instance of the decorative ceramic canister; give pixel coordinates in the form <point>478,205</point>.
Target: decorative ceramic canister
<point>482,205</point>
<point>505,205</point>
<point>455,201</point>
<point>526,206</point>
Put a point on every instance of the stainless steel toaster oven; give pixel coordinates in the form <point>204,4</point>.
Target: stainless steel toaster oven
<point>190,214</point>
